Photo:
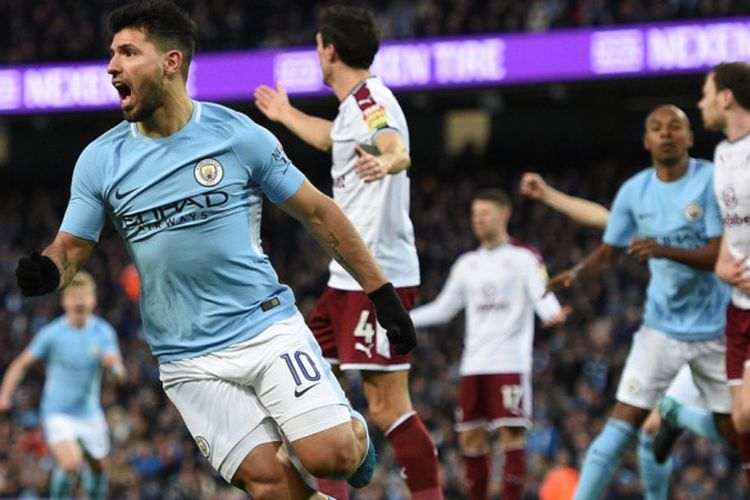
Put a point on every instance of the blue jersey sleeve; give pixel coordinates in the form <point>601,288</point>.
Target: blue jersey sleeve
<point>621,224</point>
<point>40,344</point>
<point>270,167</point>
<point>110,345</point>
<point>84,217</point>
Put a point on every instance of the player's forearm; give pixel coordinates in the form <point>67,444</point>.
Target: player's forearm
<point>13,376</point>
<point>69,254</point>
<point>340,239</point>
<point>597,262</point>
<point>431,314</point>
<point>584,212</point>
<point>703,259</point>
<point>313,130</point>
<point>396,161</point>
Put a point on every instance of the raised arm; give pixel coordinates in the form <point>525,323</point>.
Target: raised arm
<point>583,211</point>
<point>274,103</point>
<point>13,376</point>
<point>336,234</point>
<point>53,269</point>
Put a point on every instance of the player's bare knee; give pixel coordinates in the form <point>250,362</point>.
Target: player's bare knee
<point>339,462</point>
<point>70,466</point>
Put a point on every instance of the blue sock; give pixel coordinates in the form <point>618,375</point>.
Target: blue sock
<point>654,476</point>
<point>95,484</point>
<point>701,422</point>
<point>603,458</point>
<point>61,484</point>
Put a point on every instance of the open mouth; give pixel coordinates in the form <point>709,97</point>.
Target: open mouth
<point>125,94</point>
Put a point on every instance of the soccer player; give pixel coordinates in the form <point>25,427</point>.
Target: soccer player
<point>76,347</point>
<point>683,406</point>
<point>501,285</point>
<point>183,182</point>
<point>672,209</point>
<point>369,140</point>
<point>725,107</point>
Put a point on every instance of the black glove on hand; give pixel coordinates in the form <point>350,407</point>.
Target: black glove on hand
<point>37,275</point>
<point>392,316</point>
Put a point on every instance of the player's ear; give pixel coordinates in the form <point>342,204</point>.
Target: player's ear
<point>173,62</point>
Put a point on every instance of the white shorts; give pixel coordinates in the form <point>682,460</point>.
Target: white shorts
<point>237,398</point>
<point>684,390</point>
<point>655,359</point>
<point>90,432</point>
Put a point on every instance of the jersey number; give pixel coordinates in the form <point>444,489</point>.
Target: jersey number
<point>301,364</point>
<point>364,329</point>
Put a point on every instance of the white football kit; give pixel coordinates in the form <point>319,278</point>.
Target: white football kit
<point>379,209</point>
<point>500,288</point>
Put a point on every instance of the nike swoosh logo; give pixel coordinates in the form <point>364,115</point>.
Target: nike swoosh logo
<point>120,195</point>
<point>300,392</point>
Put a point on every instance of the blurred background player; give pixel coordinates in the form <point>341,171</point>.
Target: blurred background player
<point>683,406</point>
<point>235,356</point>
<point>725,106</point>
<point>672,208</point>
<point>501,285</point>
<point>76,347</point>
<point>369,140</point>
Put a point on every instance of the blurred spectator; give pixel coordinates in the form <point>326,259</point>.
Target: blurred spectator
<point>53,30</point>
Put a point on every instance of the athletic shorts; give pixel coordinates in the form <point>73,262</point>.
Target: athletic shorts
<point>344,325</point>
<point>653,363</point>
<point>738,343</point>
<point>273,386</point>
<point>90,432</point>
<point>684,390</point>
<point>494,400</point>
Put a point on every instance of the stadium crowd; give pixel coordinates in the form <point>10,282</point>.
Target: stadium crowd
<point>575,366</point>
<point>53,30</point>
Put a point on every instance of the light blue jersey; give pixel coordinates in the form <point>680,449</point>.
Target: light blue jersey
<point>189,207</point>
<point>681,301</point>
<point>74,364</point>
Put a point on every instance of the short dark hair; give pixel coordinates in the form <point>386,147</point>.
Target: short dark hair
<point>495,195</point>
<point>354,33</point>
<point>734,76</point>
<point>165,24</point>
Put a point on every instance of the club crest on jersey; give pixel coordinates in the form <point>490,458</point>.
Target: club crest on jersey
<point>203,446</point>
<point>208,172</point>
<point>729,198</point>
<point>693,212</point>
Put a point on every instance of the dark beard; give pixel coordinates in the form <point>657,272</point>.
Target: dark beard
<point>152,94</point>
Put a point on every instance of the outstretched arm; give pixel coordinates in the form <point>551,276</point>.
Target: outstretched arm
<point>596,263</point>
<point>13,376</point>
<point>333,230</point>
<point>274,103</point>
<point>336,234</point>
<point>55,267</point>
<point>583,211</point>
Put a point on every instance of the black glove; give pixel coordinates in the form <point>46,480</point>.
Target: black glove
<point>392,316</point>
<point>37,275</point>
